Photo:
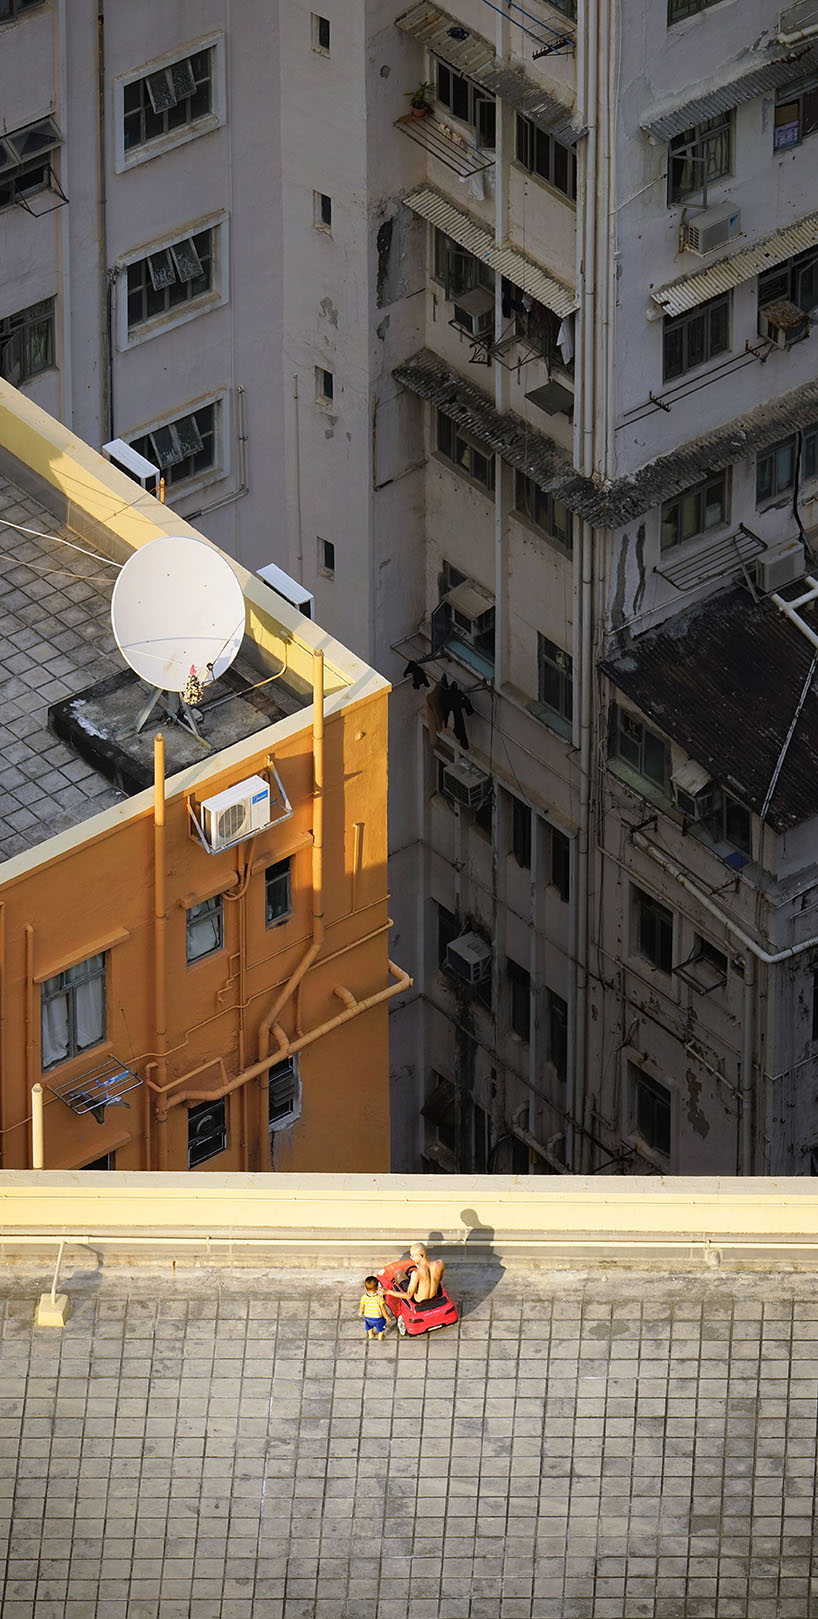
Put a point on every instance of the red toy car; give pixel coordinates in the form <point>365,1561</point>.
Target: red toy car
<point>413,1318</point>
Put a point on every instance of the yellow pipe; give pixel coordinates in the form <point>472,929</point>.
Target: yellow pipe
<point>37,1132</point>
<point>29,937</point>
<point>160,940</point>
<point>3,1071</point>
<point>357,852</point>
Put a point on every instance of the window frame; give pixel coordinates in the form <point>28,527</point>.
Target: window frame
<point>131,157</point>
<point>320,33</point>
<point>554,663</point>
<point>462,444</point>
<point>199,1110</point>
<point>521,832</point>
<point>808,437</point>
<point>32,173</point>
<point>18,9</point>
<point>290,1069</point>
<point>558,1026</point>
<point>273,874</point>
<point>697,492</point>
<point>519,1000</point>
<point>692,9</point>
<point>213,906</point>
<point>559,863</point>
<point>637,765</point>
<point>219,429</point>
<point>791,96</point>
<point>325,387</point>
<point>534,147</point>
<point>650,914</point>
<point>65,985</point>
<point>688,149</point>
<point>788,273</point>
<point>538,507</point>
<point>23,321</point>
<point>322,212</point>
<point>217,294</point>
<point>709,312</point>
<point>644,1111</point>
<point>326,557</point>
<point>476,97</point>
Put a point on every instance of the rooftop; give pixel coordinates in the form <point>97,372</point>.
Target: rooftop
<point>705,679</point>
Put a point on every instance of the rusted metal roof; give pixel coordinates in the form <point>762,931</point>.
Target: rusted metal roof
<point>693,289</point>
<point>664,123</point>
<point>476,238</point>
<point>723,681</point>
<point>475,56</point>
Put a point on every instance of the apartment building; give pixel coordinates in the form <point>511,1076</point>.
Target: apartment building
<point>518,384</point>
<point>194,961</point>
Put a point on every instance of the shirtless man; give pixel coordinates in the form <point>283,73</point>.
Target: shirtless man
<point>427,1275</point>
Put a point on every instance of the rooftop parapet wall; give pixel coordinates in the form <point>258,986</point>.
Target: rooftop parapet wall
<point>767,1223</point>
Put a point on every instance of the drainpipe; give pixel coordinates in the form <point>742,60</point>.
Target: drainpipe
<point>769,958</point>
<point>799,34</point>
<point>160,942</point>
<point>106,284</point>
<point>65,234</point>
<point>37,1151</point>
<point>308,958</point>
<point>3,1068</point>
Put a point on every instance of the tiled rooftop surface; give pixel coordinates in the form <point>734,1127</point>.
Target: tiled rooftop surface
<point>55,638</point>
<point>225,1445</point>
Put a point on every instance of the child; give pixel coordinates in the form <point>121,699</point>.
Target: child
<point>373,1307</point>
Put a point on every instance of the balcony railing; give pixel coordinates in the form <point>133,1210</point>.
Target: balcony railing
<point>446,144</point>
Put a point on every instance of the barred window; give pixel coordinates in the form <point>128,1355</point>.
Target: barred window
<point>27,342</point>
<point>182,448</point>
<point>699,155</point>
<point>170,277</point>
<point>171,98</point>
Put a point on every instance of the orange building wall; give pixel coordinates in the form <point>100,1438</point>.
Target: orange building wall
<point>99,895</point>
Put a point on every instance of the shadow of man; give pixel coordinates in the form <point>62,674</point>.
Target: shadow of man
<point>483,1270</point>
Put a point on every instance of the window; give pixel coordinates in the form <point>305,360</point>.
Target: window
<point>448,928</point>
<point>183,448</point>
<point>324,386</point>
<point>544,510</point>
<point>459,271</point>
<point>796,113</point>
<point>651,1103</point>
<point>206,1131</point>
<point>170,278</point>
<point>815,1010</point>
<point>735,824</point>
<point>464,620</point>
<point>546,334</point>
<point>440,1114</point>
<point>567,7</point>
<point>696,510</point>
<point>171,98</point>
<point>464,452</point>
<point>697,336</point>
<point>557,1028</point>
<point>321,211</point>
<point>775,467</point>
<point>320,34</point>
<point>107,1161</point>
<point>654,931</point>
<point>15,8</point>
<point>705,968</point>
<point>519,983</point>
<point>556,679</point>
<point>204,929</point>
<point>639,747</point>
<point>27,342</point>
<point>543,155</point>
<point>72,1008</point>
<point>483,815</point>
<point>326,558</point>
<point>278,892</point>
<point>560,863</point>
<point>25,162</point>
<point>677,10</point>
<point>700,155</point>
<point>796,280</point>
<point>521,833</point>
<point>284,1083</point>
<point>467,102</point>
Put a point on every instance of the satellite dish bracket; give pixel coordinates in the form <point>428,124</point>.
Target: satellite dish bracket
<point>174,708</point>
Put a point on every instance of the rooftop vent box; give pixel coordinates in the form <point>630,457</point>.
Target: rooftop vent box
<point>711,229</point>
<point>287,587</point>
<point>469,958</point>
<point>692,790</point>
<point>236,813</point>
<point>466,785</point>
<point>783,323</point>
<point>772,573</point>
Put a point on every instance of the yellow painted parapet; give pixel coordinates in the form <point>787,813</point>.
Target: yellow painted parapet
<point>614,1219</point>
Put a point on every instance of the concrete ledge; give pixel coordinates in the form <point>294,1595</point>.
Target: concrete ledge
<point>561,1220</point>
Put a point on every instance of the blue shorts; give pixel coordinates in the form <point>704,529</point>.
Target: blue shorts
<point>374,1323</point>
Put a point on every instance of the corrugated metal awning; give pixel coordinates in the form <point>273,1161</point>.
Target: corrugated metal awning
<point>663,125</point>
<point>475,56</point>
<point>690,290</point>
<point>476,238</point>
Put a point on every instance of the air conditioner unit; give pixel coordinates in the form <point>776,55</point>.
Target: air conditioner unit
<point>471,612</point>
<point>711,229</point>
<point>693,790</point>
<point>469,958</point>
<point>783,323</point>
<point>474,311</point>
<point>772,573</point>
<point>465,784</point>
<point>136,466</point>
<point>287,587</point>
<point>236,813</point>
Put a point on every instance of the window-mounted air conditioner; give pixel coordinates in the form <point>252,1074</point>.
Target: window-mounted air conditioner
<point>469,958</point>
<point>693,791</point>
<point>466,785</point>
<point>471,612</point>
<point>236,813</point>
<point>772,573</point>
<point>783,323</point>
<point>474,312</point>
<point>711,229</point>
<point>136,466</point>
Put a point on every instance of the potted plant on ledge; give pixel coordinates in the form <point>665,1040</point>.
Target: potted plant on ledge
<point>418,102</point>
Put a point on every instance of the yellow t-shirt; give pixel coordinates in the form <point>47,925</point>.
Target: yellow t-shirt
<point>374,1305</point>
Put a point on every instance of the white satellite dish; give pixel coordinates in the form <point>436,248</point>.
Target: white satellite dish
<point>177,613</point>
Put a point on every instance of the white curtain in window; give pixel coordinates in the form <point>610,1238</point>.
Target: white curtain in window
<point>89,1011</point>
<point>203,931</point>
<point>54,1028</point>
